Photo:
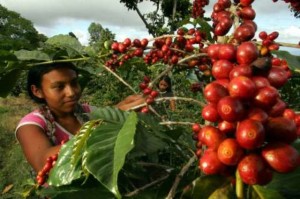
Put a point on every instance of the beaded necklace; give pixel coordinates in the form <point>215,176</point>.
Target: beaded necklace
<point>79,113</point>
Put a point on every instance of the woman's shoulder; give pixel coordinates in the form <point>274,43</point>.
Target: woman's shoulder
<point>33,115</point>
<point>32,118</point>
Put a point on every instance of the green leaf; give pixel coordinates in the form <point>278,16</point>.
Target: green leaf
<point>205,27</point>
<point>226,192</point>
<point>64,172</point>
<point>108,146</point>
<point>150,123</point>
<point>26,55</point>
<point>264,193</point>
<point>8,81</point>
<point>147,140</point>
<point>80,141</point>
<point>287,184</point>
<point>293,61</point>
<point>296,144</point>
<point>76,192</point>
<point>109,114</point>
<point>146,143</point>
<point>7,55</point>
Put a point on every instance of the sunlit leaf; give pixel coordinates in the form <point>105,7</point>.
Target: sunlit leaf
<point>226,192</point>
<point>26,55</point>
<point>80,140</point>
<point>7,188</point>
<point>204,186</point>
<point>109,114</point>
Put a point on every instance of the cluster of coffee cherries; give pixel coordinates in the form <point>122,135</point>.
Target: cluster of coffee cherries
<point>148,92</point>
<point>125,50</point>
<point>222,21</point>
<point>197,9</point>
<point>43,174</point>
<point>250,128</point>
<point>167,50</point>
<point>268,42</point>
<point>223,18</point>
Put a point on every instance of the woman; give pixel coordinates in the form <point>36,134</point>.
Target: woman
<point>165,90</point>
<point>60,116</point>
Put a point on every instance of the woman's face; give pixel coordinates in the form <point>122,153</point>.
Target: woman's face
<point>61,90</point>
<point>163,85</point>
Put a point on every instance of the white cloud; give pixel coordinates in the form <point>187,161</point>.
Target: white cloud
<point>290,33</point>
<point>82,36</point>
<point>49,12</point>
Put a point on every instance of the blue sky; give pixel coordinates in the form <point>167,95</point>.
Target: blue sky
<point>64,16</point>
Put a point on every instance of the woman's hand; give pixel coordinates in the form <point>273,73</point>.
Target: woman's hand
<point>130,102</point>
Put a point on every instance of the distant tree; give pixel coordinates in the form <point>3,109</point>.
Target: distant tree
<point>166,17</point>
<point>17,32</point>
<point>99,35</point>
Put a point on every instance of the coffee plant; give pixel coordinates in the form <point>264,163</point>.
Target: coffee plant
<point>232,135</point>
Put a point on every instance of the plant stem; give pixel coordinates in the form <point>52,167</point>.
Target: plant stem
<point>166,71</point>
<point>239,186</point>
<point>119,78</point>
<point>288,45</point>
<point>192,56</point>
<point>179,177</point>
<point>60,61</point>
<point>146,186</point>
<point>283,44</point>
<point>165,36</point>
<point>176,123</point>
<point>180,99</point>
<point>171,98</point>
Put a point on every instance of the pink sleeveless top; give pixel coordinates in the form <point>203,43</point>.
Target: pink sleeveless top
<point>55,132</point>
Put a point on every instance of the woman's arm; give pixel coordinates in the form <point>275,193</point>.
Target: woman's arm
<point>130,102</point>
<point>35,145</point>
<point>172,105</point>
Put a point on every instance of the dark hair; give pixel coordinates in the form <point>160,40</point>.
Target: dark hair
<point>35,75</point>
<point>167,79</point>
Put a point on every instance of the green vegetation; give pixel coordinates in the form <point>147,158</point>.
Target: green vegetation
<point>14,170</point>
